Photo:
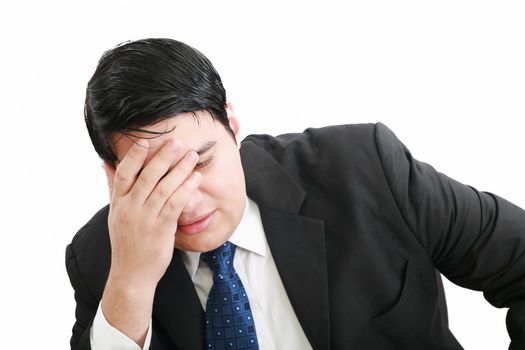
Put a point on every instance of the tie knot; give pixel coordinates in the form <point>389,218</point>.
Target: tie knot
<point>220,260</point>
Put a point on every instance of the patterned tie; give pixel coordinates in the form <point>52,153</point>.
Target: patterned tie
<point>229,320</point>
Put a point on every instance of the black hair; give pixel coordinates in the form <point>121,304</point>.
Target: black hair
<point>142,82</point>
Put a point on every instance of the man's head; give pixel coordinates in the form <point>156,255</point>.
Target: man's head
<point>142,82</point>
<point>160,90</point>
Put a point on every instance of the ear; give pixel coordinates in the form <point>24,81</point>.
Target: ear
<point>109,170</point>
<point>234,122</point>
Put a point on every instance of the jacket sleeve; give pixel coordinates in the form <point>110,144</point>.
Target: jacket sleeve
<point>86,305</point>
<point>476,239</point>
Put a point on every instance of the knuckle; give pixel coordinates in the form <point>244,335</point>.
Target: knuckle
<point>121,176</point>
<point>162,190</point>
<point>144,179</point>
<point>173,203</point>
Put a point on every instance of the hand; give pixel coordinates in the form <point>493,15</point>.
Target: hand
<point>145,207</point>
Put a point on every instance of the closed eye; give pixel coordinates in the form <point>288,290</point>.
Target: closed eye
<point>204,163</point>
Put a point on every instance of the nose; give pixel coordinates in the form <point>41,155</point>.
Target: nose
<point>193,203</point>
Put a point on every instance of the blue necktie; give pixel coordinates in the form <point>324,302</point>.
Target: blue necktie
<point>229,320</point>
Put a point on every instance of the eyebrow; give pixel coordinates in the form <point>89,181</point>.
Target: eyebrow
<point>205,147</point>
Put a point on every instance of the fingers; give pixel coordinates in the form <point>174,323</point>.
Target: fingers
<point>173,207</point>
<point>128,170</point>
<point>159,165</point>
<point>171,182</point>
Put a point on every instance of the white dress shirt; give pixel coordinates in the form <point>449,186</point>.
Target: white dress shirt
<point>276,324</point>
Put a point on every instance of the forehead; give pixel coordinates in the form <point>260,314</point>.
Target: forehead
<point>192,129</point>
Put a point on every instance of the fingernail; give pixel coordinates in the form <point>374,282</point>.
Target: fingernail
<point>193,156</point>
<point>175,144</point>
<point>141,143</point>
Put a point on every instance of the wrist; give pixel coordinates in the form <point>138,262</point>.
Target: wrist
<point>128,308</point>
<point>130,287</point>
<point>135,279</point>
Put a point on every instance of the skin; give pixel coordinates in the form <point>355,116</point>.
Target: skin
<point>158,185</point>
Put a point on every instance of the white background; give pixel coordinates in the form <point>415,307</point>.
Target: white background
<point>447,77</point>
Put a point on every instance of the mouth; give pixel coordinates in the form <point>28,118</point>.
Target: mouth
<point>197,224</point>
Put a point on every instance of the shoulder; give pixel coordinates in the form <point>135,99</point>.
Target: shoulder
<point>88,255</point>
<point>95,229</point>
<point>328,138</point>
<point>353,133</point>
<point>331,145</point>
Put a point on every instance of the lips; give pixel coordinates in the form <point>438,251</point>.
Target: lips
<point>193,220</point>
<point>197,224</point>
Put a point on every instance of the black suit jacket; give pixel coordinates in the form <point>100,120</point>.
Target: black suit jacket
<point>359,231</point>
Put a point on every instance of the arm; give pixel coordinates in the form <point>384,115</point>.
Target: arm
<point>476,239</point>
<point>97,333</point>
<point>146,199</point>
<point>85,304</point>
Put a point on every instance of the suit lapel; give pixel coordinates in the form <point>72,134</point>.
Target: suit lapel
<point>297,242</point>
<point>177,306</point>
<point>297,246</point>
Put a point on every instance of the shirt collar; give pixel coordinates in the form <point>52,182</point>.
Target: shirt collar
<point>248,235</point>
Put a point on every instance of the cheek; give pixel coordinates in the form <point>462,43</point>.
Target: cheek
<point>225,180</point>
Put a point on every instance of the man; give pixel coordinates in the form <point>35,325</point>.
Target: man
<point>333,238</point>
